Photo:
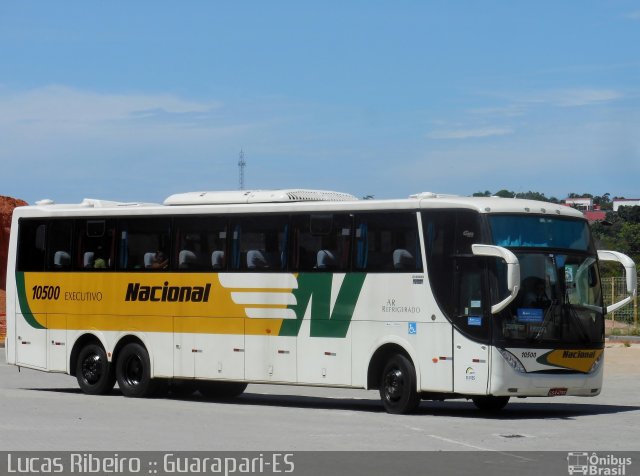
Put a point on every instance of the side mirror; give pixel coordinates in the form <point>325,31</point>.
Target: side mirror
<point>513,271</point>
<point>630,272</point>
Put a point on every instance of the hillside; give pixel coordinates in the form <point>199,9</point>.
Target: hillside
<point>7,204</point>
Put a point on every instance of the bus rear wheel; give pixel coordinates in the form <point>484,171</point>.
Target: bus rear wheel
<point>93,371</point>
<point>398,386</point>
<point>490,403</point>
<point>133,372</point>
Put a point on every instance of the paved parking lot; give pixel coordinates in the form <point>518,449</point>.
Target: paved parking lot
<point>47,412</point>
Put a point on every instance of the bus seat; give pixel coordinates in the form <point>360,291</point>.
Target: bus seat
<point>148,259</point>
<point>257,259</point>
<point>61,259</point>
<point>87,259</point>
<point>326,259</point>
<point>187,259</point>
<point>402,259</point>
<point>217,259</point>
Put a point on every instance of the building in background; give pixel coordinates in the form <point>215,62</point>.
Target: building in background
<point>625,202</point>
<point>584,204</point>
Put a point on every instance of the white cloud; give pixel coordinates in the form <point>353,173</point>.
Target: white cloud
<point>77,135</point>
<point>469,133</point>
<point>576,97</point>
<point>513,110</point>
<point>64,105</point>
<point>587,97</point>
<point>634,15</point>
<point>554,154</point>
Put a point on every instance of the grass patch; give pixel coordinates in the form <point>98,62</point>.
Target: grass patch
<point>629,331</point>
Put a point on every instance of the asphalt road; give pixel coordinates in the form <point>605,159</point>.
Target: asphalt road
<point>41,411</point>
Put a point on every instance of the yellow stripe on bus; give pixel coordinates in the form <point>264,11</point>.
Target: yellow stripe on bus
<point>158,302</point>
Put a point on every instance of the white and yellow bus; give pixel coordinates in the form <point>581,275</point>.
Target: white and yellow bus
<point>429,297</point>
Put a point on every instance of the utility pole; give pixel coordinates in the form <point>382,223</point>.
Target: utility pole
<point>241,165</point>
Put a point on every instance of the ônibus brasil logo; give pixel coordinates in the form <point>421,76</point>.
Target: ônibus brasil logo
<point>595,464</point>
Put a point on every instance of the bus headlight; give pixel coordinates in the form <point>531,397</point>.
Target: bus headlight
<point>596,365</point>
<point>512,360</point>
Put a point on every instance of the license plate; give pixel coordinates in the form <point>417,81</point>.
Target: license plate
<point>557,392</point>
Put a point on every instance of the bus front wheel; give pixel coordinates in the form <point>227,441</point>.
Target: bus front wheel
<point>93,371</point>
<point>133,372</point>
<point>398,386</point>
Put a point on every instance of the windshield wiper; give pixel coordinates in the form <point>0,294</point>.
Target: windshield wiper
<point>545,321</point>
<point>583,334</point>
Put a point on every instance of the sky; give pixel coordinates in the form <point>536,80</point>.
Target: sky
<point>135,101</point>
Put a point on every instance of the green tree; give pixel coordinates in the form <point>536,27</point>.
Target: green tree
<point>579,195</point>
<point>604,201</point>
<point>530,195</point>
<point>629,240</point>
<point>505,193</point>
<point>630,214</point>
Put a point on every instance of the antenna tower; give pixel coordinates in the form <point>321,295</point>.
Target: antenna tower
<point>241,165</point>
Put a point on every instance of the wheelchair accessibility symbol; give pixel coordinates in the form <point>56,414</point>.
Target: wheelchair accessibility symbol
<point>413,328</point>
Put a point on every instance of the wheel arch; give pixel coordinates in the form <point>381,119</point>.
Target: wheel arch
<point>79,344</point>
<point>129,339</point>
<point>101,340</point>
<point>381,355</point>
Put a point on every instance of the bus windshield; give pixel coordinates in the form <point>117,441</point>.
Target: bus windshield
<point>517,231</point>
<point>560,298</point>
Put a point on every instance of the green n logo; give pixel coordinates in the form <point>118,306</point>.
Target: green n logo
<point>317,289</point>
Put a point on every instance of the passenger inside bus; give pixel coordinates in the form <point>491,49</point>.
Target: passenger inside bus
<point>158,260</point>
<point>99,262</point>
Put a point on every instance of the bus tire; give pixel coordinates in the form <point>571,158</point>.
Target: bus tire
<point>93,371</point>
<point>490,403</point>
<point>398,386</point>
<point>133,372</point>
<point>211,389</point>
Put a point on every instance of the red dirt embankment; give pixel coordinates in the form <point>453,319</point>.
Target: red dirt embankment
<point>7,204</point>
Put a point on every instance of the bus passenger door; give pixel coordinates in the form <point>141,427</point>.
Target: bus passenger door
<point>472,323</point>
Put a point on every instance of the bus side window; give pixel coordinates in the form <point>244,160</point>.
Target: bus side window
<point>96,244</point>
<point>307,237</point>
<point>59,245</point>
<point>321,242</point>
<point>31,245</point>
<point>260,243</point>
<point>144,244</point>
<point>387,242</point>
<point>200,243</point>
